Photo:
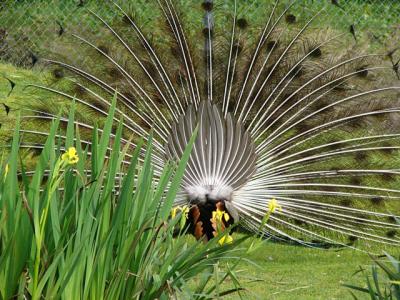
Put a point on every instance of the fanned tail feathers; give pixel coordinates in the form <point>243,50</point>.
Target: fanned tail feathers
<point>283,114</point>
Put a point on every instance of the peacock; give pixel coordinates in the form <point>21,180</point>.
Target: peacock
<point>286,111</point>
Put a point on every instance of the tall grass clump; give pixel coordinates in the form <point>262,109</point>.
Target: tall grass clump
<point>89,225</point>
<point>383,281</point>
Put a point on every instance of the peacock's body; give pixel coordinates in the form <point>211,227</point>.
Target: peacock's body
<point>284,112</point>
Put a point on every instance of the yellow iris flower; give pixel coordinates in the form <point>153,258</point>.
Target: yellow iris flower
<point>226,239</point>
<point>70,157</point>
<point>184,209</point>
<point>174,211</point>
<point>218,215</point>
<point>185,214</point>
<point>273,205</point>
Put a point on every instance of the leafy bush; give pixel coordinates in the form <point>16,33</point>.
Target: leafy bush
<point>73,234</point>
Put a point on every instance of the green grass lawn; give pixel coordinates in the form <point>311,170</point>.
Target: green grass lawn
<point>294,272</point>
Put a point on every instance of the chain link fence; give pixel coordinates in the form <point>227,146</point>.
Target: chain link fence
<point>29,29</point>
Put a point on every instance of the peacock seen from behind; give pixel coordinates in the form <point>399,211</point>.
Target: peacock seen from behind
<point>285,112</point>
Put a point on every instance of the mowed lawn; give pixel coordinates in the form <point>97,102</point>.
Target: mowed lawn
<point>295,272</point>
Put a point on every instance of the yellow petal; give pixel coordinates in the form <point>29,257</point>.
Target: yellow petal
<point>173,212</point>
<point>226,217</point>
<point>70,156</point>
<point>229,239</point>
<point>71,151</point>
<point>185,209</point>
<point>74,160</point>
<point>226,239</point>
<point>273,205</point>
<point>7,169</point>
<point>64,156</point>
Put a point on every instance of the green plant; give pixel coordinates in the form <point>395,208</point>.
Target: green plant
<point>385,283</point>
<point>67,233</point>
